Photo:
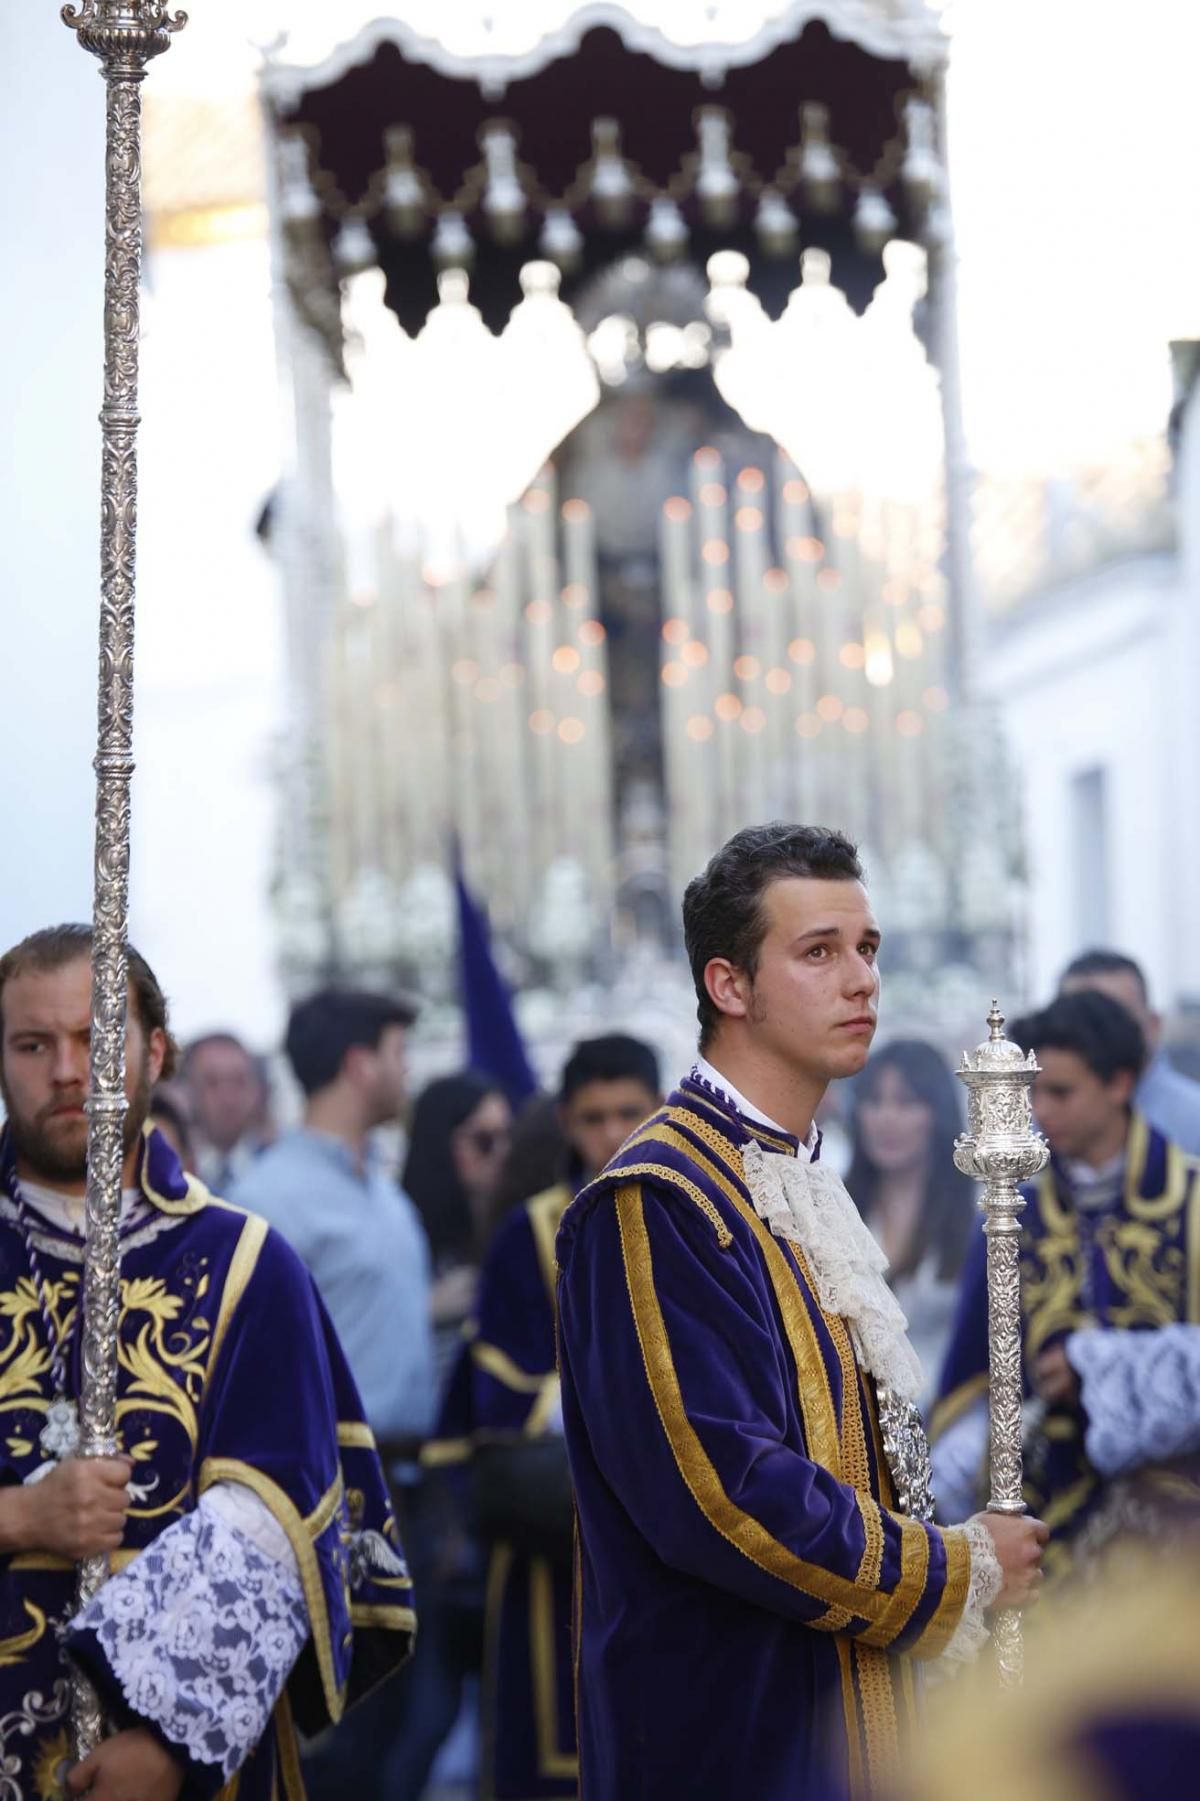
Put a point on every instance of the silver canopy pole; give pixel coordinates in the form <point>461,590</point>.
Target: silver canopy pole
<point>124,35</point>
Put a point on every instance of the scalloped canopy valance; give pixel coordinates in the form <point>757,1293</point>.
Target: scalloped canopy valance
<point>608,137</point>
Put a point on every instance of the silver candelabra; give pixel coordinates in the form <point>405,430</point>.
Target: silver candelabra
<point>1000,1149</point>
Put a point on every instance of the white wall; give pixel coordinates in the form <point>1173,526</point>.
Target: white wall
<point>1179,698</point>
<point>1083,680</point>
<point>207,662</point>
<point>210,662</point>
<point>51,224</point>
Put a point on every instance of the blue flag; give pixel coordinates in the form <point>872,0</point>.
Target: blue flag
<point>494,1045</point>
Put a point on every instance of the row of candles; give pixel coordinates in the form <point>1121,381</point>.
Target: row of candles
<point>802,661</point>
<point>477,714</point>
<point>801,676</point>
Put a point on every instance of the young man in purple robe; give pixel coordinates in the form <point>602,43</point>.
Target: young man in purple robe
<point>609,1086</point>
<point>755,1577</point>
<point>257,1582</point>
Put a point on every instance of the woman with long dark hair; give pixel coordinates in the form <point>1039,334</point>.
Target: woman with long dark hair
<point>457,1142</point>
<point>905,1118</point>
<point>460,1132</point>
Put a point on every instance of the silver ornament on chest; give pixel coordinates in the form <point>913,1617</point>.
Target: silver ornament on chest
<point>906,1449</point>
<point>59,1437</point>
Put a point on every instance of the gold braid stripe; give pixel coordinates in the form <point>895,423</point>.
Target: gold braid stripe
<point>289,1750</point>
<point>440,1452</point>
<point>553,1761</point>
<point>914,1539</point>
<point>495,1362</point>
<point>669,1178</point>
<point>881,1725</point>
<point>714,1118</point>
<point>813,1391</point>
<point>356,1434</point>
<point>316,1522</point>
<point>953,1599</point>
<point>196,1197</point>
<point>545,1212</point>
<point>855,1463</point>
<point>392,1619</point>
<point>232,1469</point>
<point>955,1404</point>
<point>242,1266</point>
<point>854,1754</point>
<point>885,1614</point>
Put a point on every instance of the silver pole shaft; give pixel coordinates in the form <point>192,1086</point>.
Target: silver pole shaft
<point>1002,1205</point>
<point>124,35</point>
<point>1000,1149</point>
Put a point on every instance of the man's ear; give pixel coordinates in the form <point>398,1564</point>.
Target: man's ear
<point>355,1063</point>
<point>1122,1085</point>
<point>727,987</point>
<point>156,1051</point>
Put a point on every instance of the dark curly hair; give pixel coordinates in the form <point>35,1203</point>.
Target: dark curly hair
<point>722,907</point>
<point>1097,1028</point>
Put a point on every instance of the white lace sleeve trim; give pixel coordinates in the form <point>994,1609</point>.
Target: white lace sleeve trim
<point>808,1204</point>
<point>987,1579</point>
<point>1141,1394</point>
<point>201,1632</point>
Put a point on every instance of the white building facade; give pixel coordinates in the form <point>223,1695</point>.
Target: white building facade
<point>1096,682</point>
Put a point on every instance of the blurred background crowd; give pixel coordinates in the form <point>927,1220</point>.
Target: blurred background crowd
<point>428,1222</point>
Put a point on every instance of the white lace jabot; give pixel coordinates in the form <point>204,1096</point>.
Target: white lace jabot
<point>808,1204</point>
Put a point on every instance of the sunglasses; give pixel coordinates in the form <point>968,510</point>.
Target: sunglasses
<point>487,1140</point>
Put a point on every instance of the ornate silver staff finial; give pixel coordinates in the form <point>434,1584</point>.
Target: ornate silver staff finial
<point>124,35</point>
<point>1001,1149</point>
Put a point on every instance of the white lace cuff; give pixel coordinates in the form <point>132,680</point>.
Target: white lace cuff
<point>987,1579</point>
<point>1141,1394</point>
<point>200,1633</point>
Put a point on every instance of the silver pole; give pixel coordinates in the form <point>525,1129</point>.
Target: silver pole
<point>1001,1149</point>
<point>124,35</point>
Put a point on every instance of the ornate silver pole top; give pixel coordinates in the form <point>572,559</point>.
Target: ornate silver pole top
<point>124,31</point>
<point>1000,1144</point>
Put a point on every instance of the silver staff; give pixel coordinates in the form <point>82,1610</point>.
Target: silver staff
<point>1001,1149</point>
<point>124,35</point>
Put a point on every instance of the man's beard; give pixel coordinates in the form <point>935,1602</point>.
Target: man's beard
<point>47,1157</point>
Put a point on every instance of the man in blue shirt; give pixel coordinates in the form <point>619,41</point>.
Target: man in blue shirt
<point>326,1190</point>
<point>344,1213</point>
<point>1167,1098</point>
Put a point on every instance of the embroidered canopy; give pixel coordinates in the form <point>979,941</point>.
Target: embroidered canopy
<point>605,137</point>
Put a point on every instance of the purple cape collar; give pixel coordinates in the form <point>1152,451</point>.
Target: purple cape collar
<point>694,1087</point>
<point>160,1175</point>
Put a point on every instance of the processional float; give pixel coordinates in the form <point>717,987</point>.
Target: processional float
<point>1001,1150</point>
<point>123,35</point>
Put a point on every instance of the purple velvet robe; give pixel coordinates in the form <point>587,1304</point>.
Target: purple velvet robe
<point>1134,1266</point>
<point>229,1371</point>
<point>748,1599</point>
<point>528,1691</point>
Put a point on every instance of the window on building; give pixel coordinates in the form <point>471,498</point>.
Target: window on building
<point>1089,856</point>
